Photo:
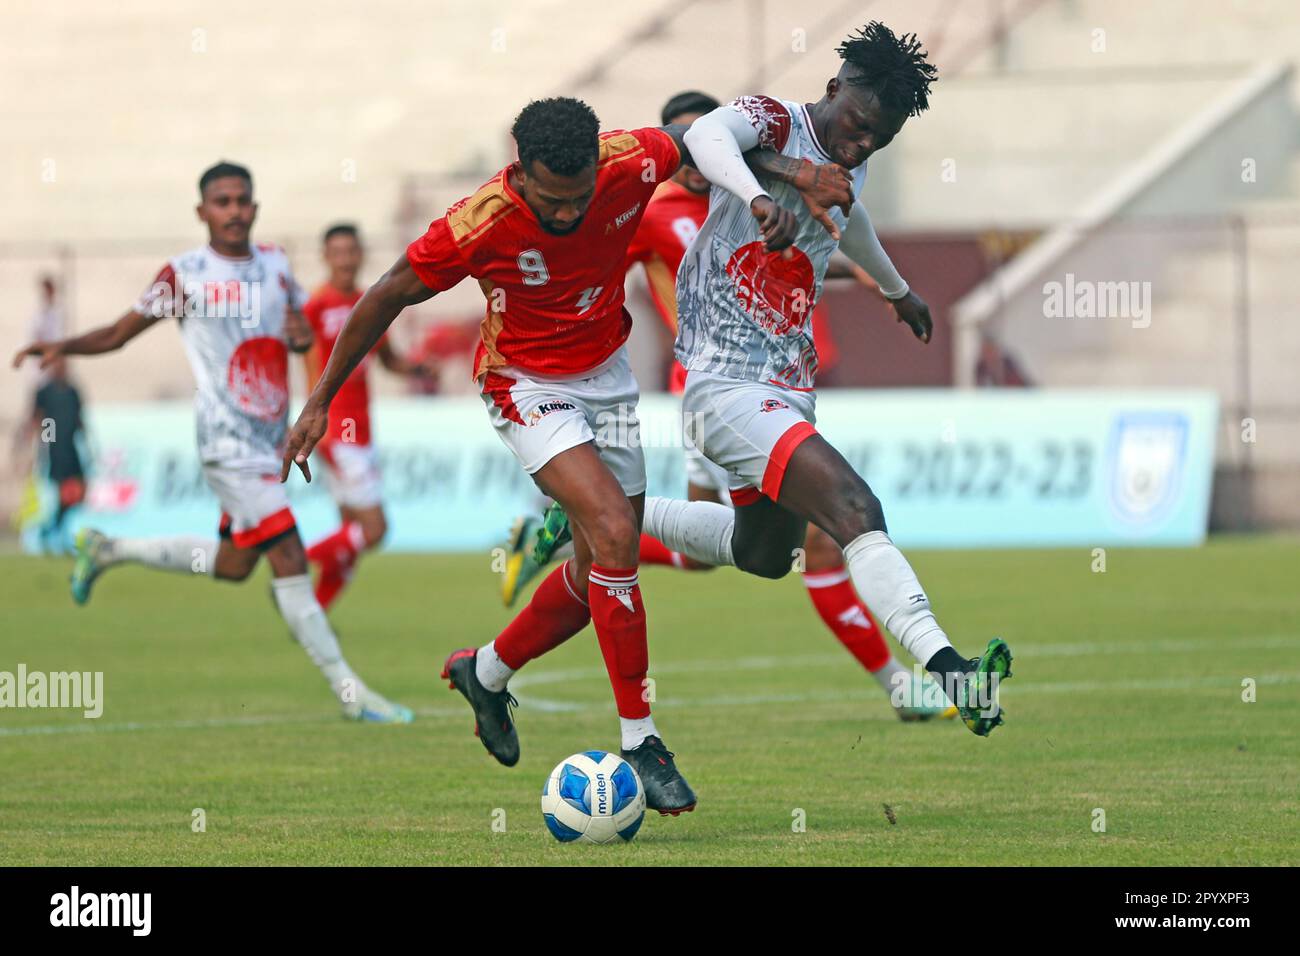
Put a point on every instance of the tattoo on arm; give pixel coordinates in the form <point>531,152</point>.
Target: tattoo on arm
<point>769,164</point>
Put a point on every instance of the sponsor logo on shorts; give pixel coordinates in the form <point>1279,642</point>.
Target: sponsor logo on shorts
<point>544,409</point>
<point>772,404</point>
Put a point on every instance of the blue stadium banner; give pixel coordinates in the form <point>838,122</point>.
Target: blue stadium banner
<point>1003,468</point>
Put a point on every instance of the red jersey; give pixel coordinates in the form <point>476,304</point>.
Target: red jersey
<point>327,310</point>
<point>671,221</point>
<point>554,303</point>
<point>670,224</point>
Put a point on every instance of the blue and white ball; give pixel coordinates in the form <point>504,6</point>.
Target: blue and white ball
<point>593,796</point>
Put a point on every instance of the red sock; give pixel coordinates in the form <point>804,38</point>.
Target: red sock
<point>838,604</point>
<point>619,616</point>
<point>336,554</point>
<point>328,585</point>
<point>654,551</point>
<point>554,615</point>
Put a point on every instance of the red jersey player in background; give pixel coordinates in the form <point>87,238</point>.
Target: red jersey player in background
<point>671,221</point>
<point>547,239</point>
<point>347,447</point>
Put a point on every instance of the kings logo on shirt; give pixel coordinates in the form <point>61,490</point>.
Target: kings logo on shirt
<point>621,219</point>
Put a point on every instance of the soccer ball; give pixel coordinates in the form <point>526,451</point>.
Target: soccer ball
<point>593,796</point>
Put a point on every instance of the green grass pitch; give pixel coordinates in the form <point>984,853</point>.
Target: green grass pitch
<point>1127,698</point>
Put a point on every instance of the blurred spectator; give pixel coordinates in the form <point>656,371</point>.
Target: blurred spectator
<point>56,422</point>
<point>996,368</point>
<point>47,325</point>
<point>443,342</point>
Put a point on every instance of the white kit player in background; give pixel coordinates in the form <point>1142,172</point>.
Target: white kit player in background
<point>745,337</point>
<point>238,307</point>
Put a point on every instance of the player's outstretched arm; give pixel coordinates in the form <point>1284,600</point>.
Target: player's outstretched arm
<point>106,338</point>
<point>841,266</point>
<point>861,244</point>
<point>370,318</point>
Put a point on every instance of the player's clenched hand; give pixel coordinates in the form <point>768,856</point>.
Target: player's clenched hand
<point>912,309</point>
<point>824,186</point>
<point>47,352</point>
<point>306,432</point>
<point>777,224</point>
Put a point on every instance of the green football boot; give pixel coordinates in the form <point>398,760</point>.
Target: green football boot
<point>554,534</point>
<point>533,543</point>
<point>90,550</point>
<point>977,698</point>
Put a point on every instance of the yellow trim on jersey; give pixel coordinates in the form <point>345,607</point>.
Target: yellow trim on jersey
<point>488,331</point>
<point>662,281</point>
<point>615,147</point>
<point>481,211</point>
<point>622,146</point>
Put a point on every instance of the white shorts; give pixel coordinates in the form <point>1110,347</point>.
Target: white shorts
<point>353,473</point>
<point>703,473</point>
<point>538,418</point>
<point>254,507</point>
<point>750,429</point>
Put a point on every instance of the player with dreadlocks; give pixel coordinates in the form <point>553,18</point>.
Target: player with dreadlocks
<point>745,339</point>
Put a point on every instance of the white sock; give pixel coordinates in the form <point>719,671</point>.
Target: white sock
<point>635,730</point>
<point>311,629</point>
<point>188,553</point>
<point>698,529</point>
<point>493,673</point>
<point>888,585</point>
<point>885,675</point>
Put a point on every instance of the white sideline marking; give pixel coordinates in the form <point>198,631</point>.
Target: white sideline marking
<point>545,705</point>
<point>210,724</point>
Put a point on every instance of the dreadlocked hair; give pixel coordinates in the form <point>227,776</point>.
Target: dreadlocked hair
<point>895,67</point>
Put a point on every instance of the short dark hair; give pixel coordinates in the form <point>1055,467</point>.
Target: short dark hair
<point>690,101</point>
<point>894,67</point>
<point>561,133</point>
<point>220,171</point>
<point>340,229</point>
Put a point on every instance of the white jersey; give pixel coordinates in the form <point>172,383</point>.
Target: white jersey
<point>232,316</point>
<point>742,312</point>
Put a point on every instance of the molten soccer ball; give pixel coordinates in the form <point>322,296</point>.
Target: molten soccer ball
<point>594,796</point>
